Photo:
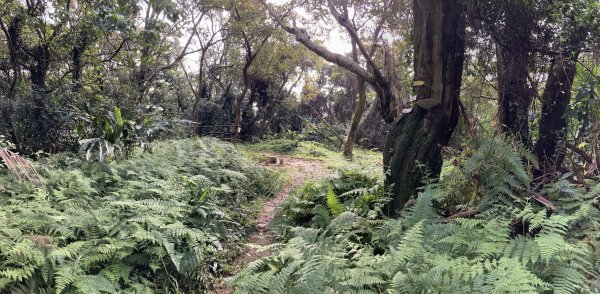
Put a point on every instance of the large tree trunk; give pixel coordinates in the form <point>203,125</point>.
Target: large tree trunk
<point>514,93</point>
<point>38,135</point>
<point>513,34</point>
<point>413,147</point>
<point>550,147</point>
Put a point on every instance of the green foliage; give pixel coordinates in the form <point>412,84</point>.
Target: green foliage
<point>508,247</point>
<point>163,222</point>
<point>111,134</point>
<point>493,171</point>
<point>334,205</point>
<point>316,204</point>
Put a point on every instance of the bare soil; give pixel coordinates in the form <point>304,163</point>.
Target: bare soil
<point>302,170</point>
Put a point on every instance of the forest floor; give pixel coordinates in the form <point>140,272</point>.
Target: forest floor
<point>300,170</point>
<point>301,162</point>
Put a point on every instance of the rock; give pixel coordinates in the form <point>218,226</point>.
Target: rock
<point>274,160</point>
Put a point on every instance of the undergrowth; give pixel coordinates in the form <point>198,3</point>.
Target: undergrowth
<point>335,240</point>
<point>166,222</point>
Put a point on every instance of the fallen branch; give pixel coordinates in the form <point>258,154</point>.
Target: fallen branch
<point>468,213</point>
<point>588,158</point>
<point>543,200</point>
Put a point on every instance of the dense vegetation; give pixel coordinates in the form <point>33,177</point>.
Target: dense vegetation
<point>334,239</point>
<point>299,146</point>
<point>172,219</point>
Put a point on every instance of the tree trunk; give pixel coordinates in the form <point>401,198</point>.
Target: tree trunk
<point>198,93</point>
<point>237,120</point>
<point>514,93</point>
<point>413,147</point>
<point>358,111</point>
<point>372,130</point>
<point>36,59</point>
<point>356,117</point>
<point>82,41</point>
<point>550,146</point>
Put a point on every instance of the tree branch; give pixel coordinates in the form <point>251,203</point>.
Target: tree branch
<point>302,37</point>
<point>588,158</point>
<point>344,21</point>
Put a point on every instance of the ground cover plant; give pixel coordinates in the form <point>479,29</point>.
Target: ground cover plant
<point>155,223</point>
<point>334,238</point>
<point>481,119</point>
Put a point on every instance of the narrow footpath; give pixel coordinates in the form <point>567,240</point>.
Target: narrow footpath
<point>302,170</point>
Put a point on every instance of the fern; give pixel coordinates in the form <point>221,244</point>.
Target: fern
<point>512,245</point>
<point>334,205</point>
<point>134,226</point>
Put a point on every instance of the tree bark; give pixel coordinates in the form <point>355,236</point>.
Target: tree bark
<point>413,149</point>
<point>198,93</point>
<point>36,60</point>
<point>356,118</point>
<point>514,94</point>
<point>550,147</point>
<point>82,40</point>
<point>237,120</point>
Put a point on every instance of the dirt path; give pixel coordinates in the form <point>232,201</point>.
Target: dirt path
<point>302,170</point>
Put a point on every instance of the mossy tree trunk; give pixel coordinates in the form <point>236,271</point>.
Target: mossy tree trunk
<point>413,147</point>
<point>35,58</point>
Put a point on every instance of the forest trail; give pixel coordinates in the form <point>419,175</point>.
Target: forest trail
<point>301,170</point>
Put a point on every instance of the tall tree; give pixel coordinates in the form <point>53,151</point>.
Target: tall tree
<point>550,145</point>
<point>358,110</point>
<point>575,22</point>
<point>362,95</point>
<point>30,32</point>
<point>413,148</point>
<point>513,54</point>
<point>254,35</point>
<point>373,74</point>
<point>416,138</point>
<point>161,21</point>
